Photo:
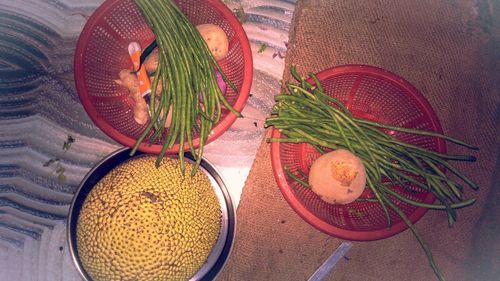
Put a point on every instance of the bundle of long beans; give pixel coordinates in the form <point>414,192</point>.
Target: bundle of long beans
<point>187,71</point>
<point>305,113</point>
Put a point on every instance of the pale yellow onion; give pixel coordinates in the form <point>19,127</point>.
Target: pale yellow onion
<point>338,177</point>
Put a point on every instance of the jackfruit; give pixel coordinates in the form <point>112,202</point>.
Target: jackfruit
<point>144,223</point>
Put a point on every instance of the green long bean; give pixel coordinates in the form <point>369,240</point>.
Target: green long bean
<point>190,92</point>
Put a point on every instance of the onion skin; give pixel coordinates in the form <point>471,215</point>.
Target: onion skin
<point>338,177</point>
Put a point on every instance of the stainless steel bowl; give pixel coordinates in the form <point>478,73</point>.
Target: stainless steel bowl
<point>223,246</point>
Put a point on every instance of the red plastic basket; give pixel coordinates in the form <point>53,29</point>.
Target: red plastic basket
<point>370,93</point>
<point>101,53</point>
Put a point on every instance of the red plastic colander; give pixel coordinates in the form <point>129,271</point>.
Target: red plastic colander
<point>101,53</point>
<point>370,93</point>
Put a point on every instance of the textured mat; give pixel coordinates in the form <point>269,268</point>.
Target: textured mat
<point>447,50</point>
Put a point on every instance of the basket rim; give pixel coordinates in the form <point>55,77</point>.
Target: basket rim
<point>217,130</point>
<point>308,216</point>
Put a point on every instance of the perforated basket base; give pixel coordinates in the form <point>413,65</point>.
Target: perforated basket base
<point>369,93</point>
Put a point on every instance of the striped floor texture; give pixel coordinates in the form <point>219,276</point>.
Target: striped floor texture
<point>48,143</point>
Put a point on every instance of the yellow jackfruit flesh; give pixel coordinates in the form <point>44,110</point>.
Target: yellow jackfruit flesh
<point>145,223</point>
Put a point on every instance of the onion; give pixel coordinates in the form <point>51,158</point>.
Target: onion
<point>338,177</point>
